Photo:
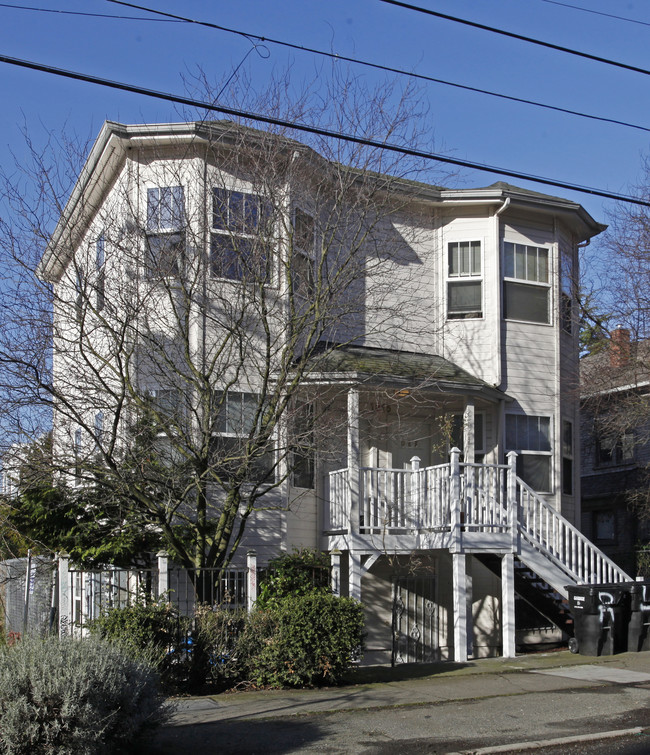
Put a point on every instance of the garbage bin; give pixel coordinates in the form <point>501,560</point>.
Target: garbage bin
<point>600,618</point>
<point>638,632</point>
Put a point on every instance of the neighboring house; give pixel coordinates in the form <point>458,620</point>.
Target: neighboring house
<point>470,344</point>
<point>615,443</point>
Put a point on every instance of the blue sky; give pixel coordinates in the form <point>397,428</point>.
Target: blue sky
<point>470,126</point>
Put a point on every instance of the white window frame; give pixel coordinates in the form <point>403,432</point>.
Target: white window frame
<point>228,233</point>
<point>165,225</point>
<point>463,275</point>
<point>523,452</point>
<point>523,278</point>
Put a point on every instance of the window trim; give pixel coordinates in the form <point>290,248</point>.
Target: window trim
<point>523,452</point>
<point>463,278</point>
<point>527,282</point>
<point>229,232</point>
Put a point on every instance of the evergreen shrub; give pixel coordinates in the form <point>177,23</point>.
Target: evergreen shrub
<point>302,640</point>
<point>63,696</point>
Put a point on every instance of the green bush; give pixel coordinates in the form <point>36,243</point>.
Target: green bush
<point>301,572</point>
<point>218,632</point>
<point>302,640</point>
<point>74,696</point>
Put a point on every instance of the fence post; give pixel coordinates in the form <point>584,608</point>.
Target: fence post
<point>512,500</point>
<point>416,498</point>
<point>455,501</point>
<point>251,592</point>
<point>65,603</point>
<point>163,573</point>
<point>28,589</point>
<point>335,562</point>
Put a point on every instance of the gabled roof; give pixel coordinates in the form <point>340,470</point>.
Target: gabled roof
<point>375,366</point>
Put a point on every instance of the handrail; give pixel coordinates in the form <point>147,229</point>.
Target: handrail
<point>486,498</point>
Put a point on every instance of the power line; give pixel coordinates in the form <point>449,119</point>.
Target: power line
<point>378,66</point>
<point>512,35</point>
<point>82,13</point>
<point>598,13</point>
<point>174,18</point>
<point>271,120</point>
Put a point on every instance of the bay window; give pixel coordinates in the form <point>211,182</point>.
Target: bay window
<point>526,288</point>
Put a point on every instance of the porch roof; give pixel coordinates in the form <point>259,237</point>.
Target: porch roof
<point>375,366</point>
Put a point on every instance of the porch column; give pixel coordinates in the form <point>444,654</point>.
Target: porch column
<point>459,568</point>
<point>508,604</point>
<point>354,589</point>
<point>469,431</point>
<point>335,571</point>
<point>353,461</point>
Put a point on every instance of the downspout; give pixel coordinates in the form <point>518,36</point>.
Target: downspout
<point>498,329</point>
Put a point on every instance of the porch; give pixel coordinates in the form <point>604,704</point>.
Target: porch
<point>463,508</point>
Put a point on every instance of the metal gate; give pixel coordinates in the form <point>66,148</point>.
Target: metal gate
<point>415,620</point>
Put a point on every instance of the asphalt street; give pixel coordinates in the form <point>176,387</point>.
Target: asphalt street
<point>555,701</point>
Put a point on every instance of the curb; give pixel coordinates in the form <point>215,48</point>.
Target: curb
<point>538,744</point>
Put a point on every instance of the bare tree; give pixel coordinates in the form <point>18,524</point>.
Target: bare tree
<point>170,311</point>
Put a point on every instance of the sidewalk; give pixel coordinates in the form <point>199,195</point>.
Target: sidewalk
<point>501,686</point>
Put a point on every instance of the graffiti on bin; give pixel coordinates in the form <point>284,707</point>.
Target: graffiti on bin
<point>606,601</point>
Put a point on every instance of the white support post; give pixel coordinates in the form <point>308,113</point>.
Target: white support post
<point>354,486</point>
<point>456,535</point>
<point>416,499</point>
<point>251,592</point>
<point>335,571</point>
<point>65,602</point>
<point>513,514</point>
<point>469,431</point>
<point>163,573</point>
<point>354,590</point>
<point>459,568</point>
<point>508,604</point>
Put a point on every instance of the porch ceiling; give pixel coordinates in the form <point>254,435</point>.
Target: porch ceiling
<point>369,365</point>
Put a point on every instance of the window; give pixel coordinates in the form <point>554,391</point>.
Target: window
<point>302,457</point>
<point>240,222</point>
<point>529,300</point>
<point>234,424</point>
<point>165,248</point>
<point>567,457</point>
<point>604,526</point>
<point>614,451</point>
<point>566,294</point>
<point>100,284</point>
<point>465,286</point>
<point>99,429</point>
<point>302,272</point>
<point>166,402</point>
<point>530,437</point>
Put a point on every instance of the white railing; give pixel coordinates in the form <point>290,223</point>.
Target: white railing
<point>561,542</point>
<point>454,497</point>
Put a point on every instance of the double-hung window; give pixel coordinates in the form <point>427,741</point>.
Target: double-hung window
<point>235,424</point>
<point>530,437</point>
<point>614,449</point>
<point>165,248</point>
<point>302,257</point>
<point>526,290</point>
<point>465,283</point>
<point>239,244</point>
<point>567,457</point>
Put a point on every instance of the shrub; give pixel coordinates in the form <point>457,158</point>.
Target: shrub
<point>74,696</point>
<point>302,640</point>
<point>218,633</point>
<point>299,573</point>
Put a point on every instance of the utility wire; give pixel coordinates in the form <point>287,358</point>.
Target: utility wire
<point>378,66</point>
<point>328,133</point>
<point>389,69</point>
<point>512,35</point>
<point>598,13</point>
<point>81,13</point>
